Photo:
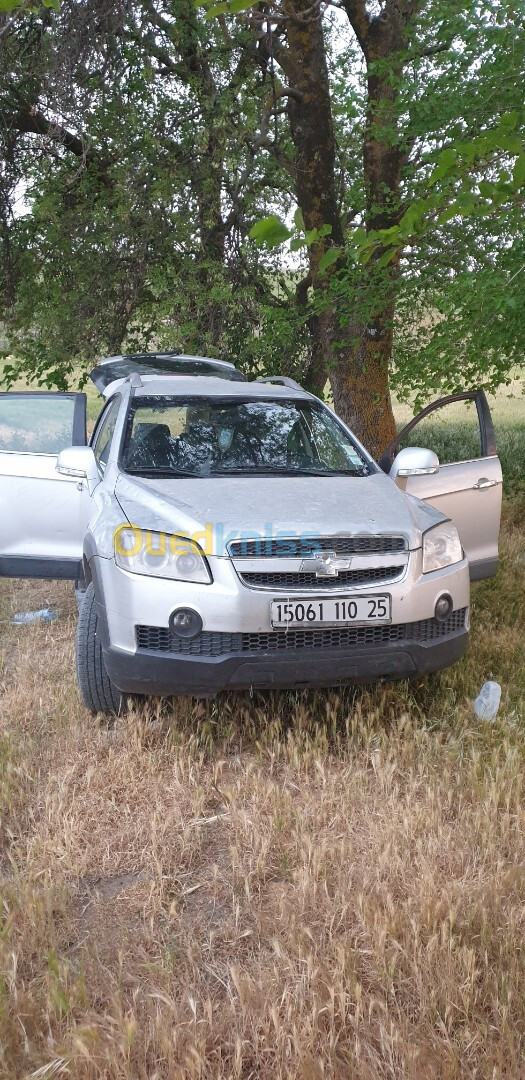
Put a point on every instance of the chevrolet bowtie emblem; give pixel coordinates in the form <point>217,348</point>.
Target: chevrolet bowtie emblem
<point>326,564</point>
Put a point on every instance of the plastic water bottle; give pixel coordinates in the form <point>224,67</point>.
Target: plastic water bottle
<point>487,702</point>
<point>25,617</point>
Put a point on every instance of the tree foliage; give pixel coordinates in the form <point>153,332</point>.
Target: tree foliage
<point>336,192</point>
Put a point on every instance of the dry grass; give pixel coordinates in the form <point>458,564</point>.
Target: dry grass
<point>312,885</point>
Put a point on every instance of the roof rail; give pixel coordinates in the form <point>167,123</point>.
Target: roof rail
<point>282,379</point>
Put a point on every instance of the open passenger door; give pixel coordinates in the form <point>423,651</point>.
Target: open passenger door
<point>469,492</point>
<point>42,513</point>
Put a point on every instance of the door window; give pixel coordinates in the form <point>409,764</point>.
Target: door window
<point>458,428</point>
<point>104,432</point>
<point>452,432</point>
<point>40,422</point>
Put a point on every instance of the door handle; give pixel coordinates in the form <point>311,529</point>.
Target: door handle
<point>483,483</point>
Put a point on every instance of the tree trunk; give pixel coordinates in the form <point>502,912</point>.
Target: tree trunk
<point>355,357</point>
<point>310,114</point>
<point>352,347</point>
<point>212,234</point>
<point>359,382</point>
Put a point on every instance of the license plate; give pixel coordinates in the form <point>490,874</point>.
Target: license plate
<point>328,611</point>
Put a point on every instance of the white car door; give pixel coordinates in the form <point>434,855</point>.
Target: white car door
<point>42,514</point>
<point>469,492</point>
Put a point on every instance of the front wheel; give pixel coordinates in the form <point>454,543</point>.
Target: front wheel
<point>99,694</point>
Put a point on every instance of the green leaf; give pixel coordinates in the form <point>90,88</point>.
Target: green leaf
<point>312,236</point>
<point>509,121</point>
<point>465,204</point>
<point>270,232</point>
<point>299,219</point>
<point>510,142</point>
<point>486,189</point>
<point>329,258</point>
<point>297,242</point>
<point>359,236</point>
<point>447,215</point>
<point>325,230</point>
<point>387,257</point>
<point>229,7</point>
<point>413,216</point>
<point>445,164</point>
<point>518,175</point>
<point>389,234</point>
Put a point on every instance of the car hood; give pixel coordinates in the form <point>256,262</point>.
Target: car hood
<point>215,510</point>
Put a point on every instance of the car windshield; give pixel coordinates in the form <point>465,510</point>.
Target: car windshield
<point>199,437</point>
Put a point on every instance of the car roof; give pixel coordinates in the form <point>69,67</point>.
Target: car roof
<point>210,386</point>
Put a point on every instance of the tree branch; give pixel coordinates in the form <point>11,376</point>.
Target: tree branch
<point>32,121</point>
<point>433,50</point>
<point>192,61</point>
<point>155,50</point>
<point>359,20</point>
<point>301,290</point>
<point>270,45</point>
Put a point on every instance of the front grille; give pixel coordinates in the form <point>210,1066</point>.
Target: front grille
<point>216,643</point>
<point>302,546</point>
<point>311,581</point>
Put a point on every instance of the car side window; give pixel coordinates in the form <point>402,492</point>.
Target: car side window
<point>452,431</point>
<point>40,422</point>
<point>104,432</point>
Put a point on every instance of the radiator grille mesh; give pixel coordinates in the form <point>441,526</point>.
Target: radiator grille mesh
<point>303,546</point>
<point>215,643</point>
<point>298,580</point>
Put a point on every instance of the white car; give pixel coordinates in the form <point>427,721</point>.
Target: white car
<point>236,534</point>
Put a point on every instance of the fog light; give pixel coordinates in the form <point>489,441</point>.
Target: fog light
<point>443,607</point>
<point>185,623</point>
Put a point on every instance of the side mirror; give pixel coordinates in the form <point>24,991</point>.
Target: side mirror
<point>414,461</point>
<point>78,461</point>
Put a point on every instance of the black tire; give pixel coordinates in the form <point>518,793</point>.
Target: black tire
<point>80,587</point>
<point>80,592</point>
<point>98,692</point>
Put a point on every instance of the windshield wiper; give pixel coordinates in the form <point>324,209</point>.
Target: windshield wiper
<point>336,472</point>
<point>152,470</point>
<point>274,470</point>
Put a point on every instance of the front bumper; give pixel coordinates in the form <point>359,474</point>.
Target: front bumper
<point>231,611</point>
<point>161,674</point>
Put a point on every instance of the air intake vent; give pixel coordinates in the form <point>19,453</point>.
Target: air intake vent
<point>298,581</point>
<point>209,643</point>
<point>303,546</point>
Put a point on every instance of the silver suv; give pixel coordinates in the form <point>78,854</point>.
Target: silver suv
<point>234,534</point>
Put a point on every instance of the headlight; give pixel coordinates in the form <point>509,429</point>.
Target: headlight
<point>441,547</point>
<point>160,555</point>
